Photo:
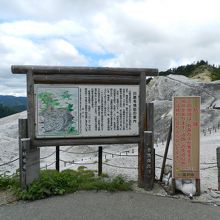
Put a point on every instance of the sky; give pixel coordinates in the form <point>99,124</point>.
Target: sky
<point>158,34</point>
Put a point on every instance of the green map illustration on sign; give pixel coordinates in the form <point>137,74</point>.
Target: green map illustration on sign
<point>57,111</point>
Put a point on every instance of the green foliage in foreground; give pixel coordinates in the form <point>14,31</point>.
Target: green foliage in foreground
<point>52,182</point>
<point>9,182</point>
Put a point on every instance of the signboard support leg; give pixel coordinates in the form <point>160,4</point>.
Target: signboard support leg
<point>22,130</point>
<point>100,161</point>
<point>197,187</point>
<point>148,161</point>
<point>173,189</point>
<point>29,158</point>
<point>142,128</point>
<point>58,158</point>
<point>218,165</point>
<point>150,127</point>
<point>30,162</point>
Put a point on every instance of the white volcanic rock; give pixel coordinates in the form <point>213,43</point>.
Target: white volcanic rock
<point>166,87</point>
<point>162,89</point>
<point>9,125</point>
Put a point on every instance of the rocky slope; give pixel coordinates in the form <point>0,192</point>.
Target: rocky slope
<point>162,89</point>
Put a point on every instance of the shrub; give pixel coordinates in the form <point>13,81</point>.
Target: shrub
<point>52,182</point>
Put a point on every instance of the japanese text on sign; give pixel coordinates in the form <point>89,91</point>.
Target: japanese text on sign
<point>186,111</point>
<point>87,110</point>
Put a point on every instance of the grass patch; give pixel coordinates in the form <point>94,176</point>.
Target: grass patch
<point>52,183</point>
<point>9,182</point>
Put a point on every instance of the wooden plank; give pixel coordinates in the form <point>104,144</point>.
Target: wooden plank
<point>142,128</point>
<point>84,141</point>
<point>91,79</point>
<point>30,106</point>
<point>24,69</point>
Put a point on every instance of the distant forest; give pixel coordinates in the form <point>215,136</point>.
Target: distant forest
<point>193,69</point>
<point>6,110</point>
<point>10,105</point>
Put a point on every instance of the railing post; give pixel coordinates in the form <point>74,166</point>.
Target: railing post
<point>218,165</point>
<point>100,161</point>
<point>58,158</point>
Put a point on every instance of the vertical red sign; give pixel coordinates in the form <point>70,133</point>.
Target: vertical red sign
<point>186,137</point>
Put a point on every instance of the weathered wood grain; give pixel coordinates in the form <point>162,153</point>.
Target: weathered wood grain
<point>30,106</point>
<point>142,128</point>
<point>85,141</point>
<point>22,69</point>
<point>80,79</point>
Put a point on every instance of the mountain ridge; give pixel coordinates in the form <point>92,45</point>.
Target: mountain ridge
<point>10,100</point>
<point>201,70</point>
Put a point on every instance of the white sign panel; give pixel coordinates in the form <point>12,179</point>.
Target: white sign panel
<point>86,110</point>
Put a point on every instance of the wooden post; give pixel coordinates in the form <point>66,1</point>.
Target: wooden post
<point>30,105</point>
<point>173,188</point>
<point>23,161</point>
<point>197,187</point>
<point>150,127</point>
<point>22,130</point>
<point>218,165</point>
<point>30,162</point>
<point>150,118</point>
<point>58,158</point>
<point>166,150</point>
<point>148,161</point>
<point>100,161</point>
<point>154,162</point>
<point>142,128</point>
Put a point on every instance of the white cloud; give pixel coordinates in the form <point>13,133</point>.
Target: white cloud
<point>22,51</point>
<point>34,29</point>
<point>136,33</point>
<point>64,53</point>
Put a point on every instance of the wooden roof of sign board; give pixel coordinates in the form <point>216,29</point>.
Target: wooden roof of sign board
<point>24,69</point>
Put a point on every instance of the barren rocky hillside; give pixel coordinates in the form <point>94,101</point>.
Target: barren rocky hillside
<point>162,89</point>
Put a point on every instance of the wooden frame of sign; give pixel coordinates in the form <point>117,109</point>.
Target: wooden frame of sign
<point>186,139</point>
<point>42,81</point>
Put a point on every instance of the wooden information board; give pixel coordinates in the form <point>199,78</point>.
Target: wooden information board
<point>65,110</point>
<point>186,137</point>
<point>70,106</point>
